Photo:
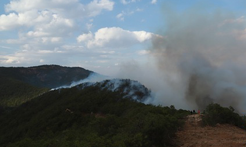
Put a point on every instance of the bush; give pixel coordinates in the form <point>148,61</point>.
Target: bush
<point>214,114</point>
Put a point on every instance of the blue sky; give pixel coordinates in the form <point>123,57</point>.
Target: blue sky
<point>160,43</point>
<point>99,35</point>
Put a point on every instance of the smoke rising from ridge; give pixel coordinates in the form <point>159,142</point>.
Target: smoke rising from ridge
<point>200,59</point>
<point>205,52</point>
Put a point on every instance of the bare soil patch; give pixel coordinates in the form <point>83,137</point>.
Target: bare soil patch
<point>194,135</point>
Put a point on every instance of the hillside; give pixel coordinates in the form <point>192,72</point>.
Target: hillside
<point>48,76</point>
<point>92,116</point>
<point>102,114</point>
<point>21,84</point>
<point>127,88</point>
<point>14,92</point>
<point>194,134</point>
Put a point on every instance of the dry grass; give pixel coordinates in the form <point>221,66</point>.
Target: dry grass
<point>194,135</point>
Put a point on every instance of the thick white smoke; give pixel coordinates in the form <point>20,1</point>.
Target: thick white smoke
<point>93,77</point>
<point>200,59</point>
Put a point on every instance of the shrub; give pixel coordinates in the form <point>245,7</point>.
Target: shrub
<point>214,113</point>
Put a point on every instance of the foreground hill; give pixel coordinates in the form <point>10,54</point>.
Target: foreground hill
<point>194,134</point>
<point>20,84</point>
<point>104,114</point>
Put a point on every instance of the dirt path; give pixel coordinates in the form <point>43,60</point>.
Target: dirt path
<point>193,135</point>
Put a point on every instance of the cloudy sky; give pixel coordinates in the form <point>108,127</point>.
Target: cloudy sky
<point>100,35</point>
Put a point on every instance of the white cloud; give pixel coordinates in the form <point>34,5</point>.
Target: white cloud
<point>114,37</point>
<point>95,7</point>
<point>85,37</point>
<point>125,2</point>
<point>46,24</point>
<point>153,1</point>
<point>143,52</point>
<point>67,55</point>
<point>8,22</point>
<point>61,6</point>
<point>89,26</point>
<point>38,12</point>
<point>44,30</point>
<point>139,10</point>
<point>142,36</point>
<point>120,16</point>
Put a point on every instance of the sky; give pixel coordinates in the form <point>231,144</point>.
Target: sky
<point>95,34</point>
<point>187,52</point>
<point>99,35</point>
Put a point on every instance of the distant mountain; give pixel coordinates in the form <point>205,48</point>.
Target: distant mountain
<point>48,76</point>
<point>20,84</point>
<point>14,92</point>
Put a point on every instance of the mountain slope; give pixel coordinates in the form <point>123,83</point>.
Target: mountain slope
<point>49,76</point>
<point>89,116</point>
<point>14,92</point>
<point>126,87</point>
<point>102,114</point>
<point>20,84</point>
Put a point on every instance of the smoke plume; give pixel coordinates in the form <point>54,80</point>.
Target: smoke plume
<point>199,59</point>
<point>203,54</point>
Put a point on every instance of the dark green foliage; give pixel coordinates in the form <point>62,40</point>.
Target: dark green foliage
<point>88,118</point>
<point>20,84</point>
<point>214,114</point>
<point>14,92</point>
<point>49,76</point>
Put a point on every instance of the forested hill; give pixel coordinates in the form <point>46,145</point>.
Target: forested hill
<point>21,84</point>
<point>97,115</point>
<point>48,76</point>
<point>109,113</point>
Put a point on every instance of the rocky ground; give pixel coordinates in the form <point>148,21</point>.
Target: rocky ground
<point>194,135</point>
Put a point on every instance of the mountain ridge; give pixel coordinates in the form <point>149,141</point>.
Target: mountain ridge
<point>129,88</point>
<point>21,84</point>
<point>89,116</point>
<point>108,113</point>
<point>49,76</point>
